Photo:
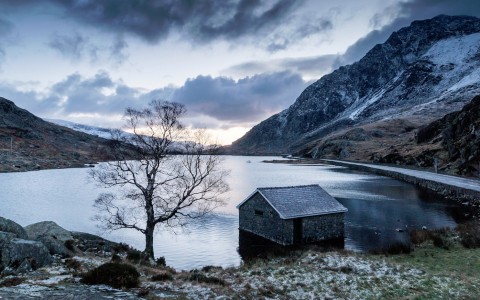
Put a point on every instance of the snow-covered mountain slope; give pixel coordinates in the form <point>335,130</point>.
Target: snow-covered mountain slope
<point>175,147</point>
<point>98,131</point>
<point>425,70</point>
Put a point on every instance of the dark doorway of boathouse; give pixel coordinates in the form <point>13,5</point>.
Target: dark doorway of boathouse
<point>297,231</point>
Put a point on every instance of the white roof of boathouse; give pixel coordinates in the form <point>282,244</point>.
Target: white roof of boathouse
<point>299,201</point>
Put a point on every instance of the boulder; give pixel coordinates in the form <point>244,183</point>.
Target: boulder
<point>52,236</point>
<point>48,228</point>
<point>5,238</point>
<point>19,256</point>
<point>7,225</point>
<point>93,243</point>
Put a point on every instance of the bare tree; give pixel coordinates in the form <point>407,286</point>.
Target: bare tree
<point>150,185</point>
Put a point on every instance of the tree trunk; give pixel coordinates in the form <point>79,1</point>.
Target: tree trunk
<point>149,242</point>
<point>150,222</point>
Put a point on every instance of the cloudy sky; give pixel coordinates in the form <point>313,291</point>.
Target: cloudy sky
<point>232,63</point>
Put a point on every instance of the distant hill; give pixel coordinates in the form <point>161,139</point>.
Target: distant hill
<point>421,73</point>
<point>29,143</point>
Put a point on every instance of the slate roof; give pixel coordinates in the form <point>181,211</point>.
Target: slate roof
<point>299,201</point>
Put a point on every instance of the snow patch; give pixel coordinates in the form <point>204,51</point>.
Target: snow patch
<point>52,280</point>
<point>374,98</point>
<point>98,131</point>
<point>470,79</point>
<point>456,50</point>
<point>27,289</point>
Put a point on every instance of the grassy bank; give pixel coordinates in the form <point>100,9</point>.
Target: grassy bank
<point>428,273</point>
<point>440,266</point>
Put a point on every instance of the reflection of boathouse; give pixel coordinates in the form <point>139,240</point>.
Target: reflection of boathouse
<point>292,215</point>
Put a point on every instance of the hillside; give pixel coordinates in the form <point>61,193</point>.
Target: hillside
<point>30,143</point>
<point>457,138</point>
<point>421,73</point>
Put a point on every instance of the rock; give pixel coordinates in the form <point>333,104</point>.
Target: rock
<point>52,236</point>
<point>48,228</point>
<point>5,238</point>
<point>91,242</point>
<point>56,246</point>
<point>7,225</point>
<point>22,255</point>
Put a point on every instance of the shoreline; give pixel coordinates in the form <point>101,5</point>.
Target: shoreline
<point>460,189</point>
<point>457,194</point>
<point>301,274</point>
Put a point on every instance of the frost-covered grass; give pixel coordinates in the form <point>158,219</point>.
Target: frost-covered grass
<point>342,275</point>
<point>458,267</point>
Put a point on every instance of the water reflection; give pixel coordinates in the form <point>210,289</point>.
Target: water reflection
<point>251,246</point>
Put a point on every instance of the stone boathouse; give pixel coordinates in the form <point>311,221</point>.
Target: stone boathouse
<point>292,215</point>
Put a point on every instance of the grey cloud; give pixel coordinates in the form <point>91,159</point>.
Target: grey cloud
<point>86,95</point>
<point>73,46</point>
<point>312,67</point>
<point>76,46</point>
<point>249,16</point>
<point>301,30</point>
<point>273,22</point>
<point>118,50</point>
<point>6,29</point>
<point>247,100</point>
<point>401,15</point>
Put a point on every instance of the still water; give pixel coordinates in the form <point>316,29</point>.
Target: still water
<point>378,207</point>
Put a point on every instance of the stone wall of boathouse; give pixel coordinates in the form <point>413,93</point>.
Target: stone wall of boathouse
<point>322,227</point>
<point>258,217</point>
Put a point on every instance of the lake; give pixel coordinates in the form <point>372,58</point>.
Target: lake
<point>378,206</point>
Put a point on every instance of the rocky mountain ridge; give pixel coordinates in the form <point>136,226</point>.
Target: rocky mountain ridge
<point>419,74</point>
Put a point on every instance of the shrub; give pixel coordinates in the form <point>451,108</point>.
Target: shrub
<point>113,274</point>
<point>202,278</point>
<point>419,236</point>
<point>469,234</point>
<point>73,264</point>
<point>115,258</point>
<point>164,276</point>
<point>13,281</point>
<point>393,249</point>
<point>346,269</point>
<point>122,247</point>
<point>134,255</point>
<point>439,240</point>
<point>160,262</point>
<point>211,268</point>
<point>438,236</point>
<point>143,292</point>
<point>69,244</point>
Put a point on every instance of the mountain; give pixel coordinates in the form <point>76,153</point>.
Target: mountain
<point>29,143</point>
<point>422,72</point>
